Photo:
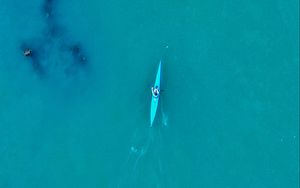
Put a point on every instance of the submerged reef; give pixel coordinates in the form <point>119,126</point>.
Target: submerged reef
<point>54,52</point>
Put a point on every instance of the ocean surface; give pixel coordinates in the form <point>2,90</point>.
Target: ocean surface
<point>76,111</point>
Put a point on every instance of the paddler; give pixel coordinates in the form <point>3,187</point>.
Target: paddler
<point>155,91</point>
<point>27,52</point>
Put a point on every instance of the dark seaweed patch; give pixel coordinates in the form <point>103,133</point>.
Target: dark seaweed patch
<point>78,55</point>
<point>54,30</point>
<point>78,59</point>
<point>42,51</point>
<point>47,8</point>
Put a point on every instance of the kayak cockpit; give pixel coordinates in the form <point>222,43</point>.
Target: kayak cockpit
<point>155,92</point>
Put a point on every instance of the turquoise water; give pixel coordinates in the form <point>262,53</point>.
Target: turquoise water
<point>76,113</point>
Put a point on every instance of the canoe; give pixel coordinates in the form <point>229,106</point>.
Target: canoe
<point>154,100</point>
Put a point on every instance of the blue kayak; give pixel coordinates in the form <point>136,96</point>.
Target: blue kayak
<point>155,99</point>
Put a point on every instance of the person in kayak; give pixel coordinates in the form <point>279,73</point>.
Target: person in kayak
<point>155,91</point>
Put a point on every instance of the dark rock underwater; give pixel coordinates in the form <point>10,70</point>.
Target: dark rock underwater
<point>41,53</point>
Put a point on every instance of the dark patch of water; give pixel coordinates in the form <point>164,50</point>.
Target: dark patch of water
<point>54,40</point>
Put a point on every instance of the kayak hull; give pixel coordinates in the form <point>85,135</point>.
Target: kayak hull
<point>155,100</point>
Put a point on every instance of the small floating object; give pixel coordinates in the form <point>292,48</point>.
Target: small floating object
<point>155,95</point>
<point>27,52</point>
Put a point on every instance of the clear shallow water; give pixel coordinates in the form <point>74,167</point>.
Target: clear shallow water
<point>229,113</point>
